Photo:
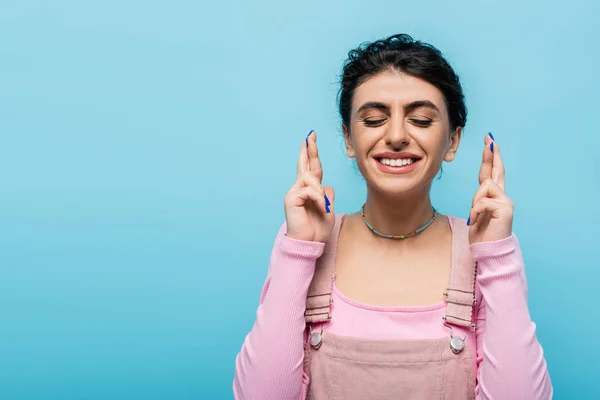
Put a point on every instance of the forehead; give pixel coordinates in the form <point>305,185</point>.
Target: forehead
<point>397,89</point>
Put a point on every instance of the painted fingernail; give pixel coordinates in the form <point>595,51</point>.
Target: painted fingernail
<point>327,204</point>
<point>309,133</point>
<point>469,222</point>
<point>492,136</point>
<point>492,147</point>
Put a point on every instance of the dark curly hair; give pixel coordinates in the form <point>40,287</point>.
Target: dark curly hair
<point>404,54</point>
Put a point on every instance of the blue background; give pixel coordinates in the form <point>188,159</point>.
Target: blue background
<point>146,148</point>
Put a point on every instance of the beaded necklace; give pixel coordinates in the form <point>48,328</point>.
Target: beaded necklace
<point>413,233</point>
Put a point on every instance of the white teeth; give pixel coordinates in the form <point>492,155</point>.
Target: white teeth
<point>399,162</point>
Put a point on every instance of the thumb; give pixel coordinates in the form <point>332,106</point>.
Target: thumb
<point>329,195</point>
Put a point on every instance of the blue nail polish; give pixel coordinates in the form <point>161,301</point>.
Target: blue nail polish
<point>492,147</point>
<point>469,222</point>
<point>309,133</point>
<point>492,136</point>
<point>327,204</point>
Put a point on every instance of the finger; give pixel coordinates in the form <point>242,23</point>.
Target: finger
<point>498,167</point>
<point>308,179</point>
<point>487,159</point>
<point>484,205</point>
<point>302,159</point>
<point>489,189</point>
<point>314,161</point>
<point>306,195</point>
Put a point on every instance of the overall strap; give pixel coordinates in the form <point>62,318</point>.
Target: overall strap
<point>460,295</point>
<point>318,300</point>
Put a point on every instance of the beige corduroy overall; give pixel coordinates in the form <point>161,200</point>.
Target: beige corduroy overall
<point>348,368</point>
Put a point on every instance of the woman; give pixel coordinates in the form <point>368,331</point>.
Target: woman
<point>396,301</point>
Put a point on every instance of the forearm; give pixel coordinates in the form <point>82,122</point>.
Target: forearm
<point>270,363</point>
<point>513,365</point>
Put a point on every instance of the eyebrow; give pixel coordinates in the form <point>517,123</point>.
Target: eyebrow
<point>407,108</point>
<point>372,105</point>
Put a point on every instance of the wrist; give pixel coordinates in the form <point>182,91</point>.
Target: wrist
<point>494,248</point>
<point>300,247</point>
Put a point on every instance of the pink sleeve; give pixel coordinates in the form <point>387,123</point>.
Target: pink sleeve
<point>270,363</point>
<point>510,360</point>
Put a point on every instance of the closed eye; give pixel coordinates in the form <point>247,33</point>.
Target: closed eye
<point>423,123</point>
<point>374,122</point>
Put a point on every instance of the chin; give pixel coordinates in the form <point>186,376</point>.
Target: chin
<point>394,183</point>
<point>395,189</point>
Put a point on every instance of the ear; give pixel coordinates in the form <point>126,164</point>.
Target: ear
<point>454,142</point>
<point>349,147</point>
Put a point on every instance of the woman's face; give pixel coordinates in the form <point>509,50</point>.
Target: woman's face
<point>399,132</point>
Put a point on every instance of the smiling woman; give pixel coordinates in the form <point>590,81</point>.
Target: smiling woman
<point>396,301</point>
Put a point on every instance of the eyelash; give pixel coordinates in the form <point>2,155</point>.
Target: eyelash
<point>421,123</point>
<point>374,122</point>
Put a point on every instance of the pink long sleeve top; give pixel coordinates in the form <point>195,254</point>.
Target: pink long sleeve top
<point>509,362</point>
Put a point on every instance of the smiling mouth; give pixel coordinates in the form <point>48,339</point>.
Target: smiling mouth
<point>397,162</point>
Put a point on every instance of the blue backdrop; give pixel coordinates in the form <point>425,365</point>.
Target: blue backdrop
<point>146,148</point>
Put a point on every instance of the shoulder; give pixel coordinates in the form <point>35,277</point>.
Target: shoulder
<point>339,218</point>
<point>456,221</point>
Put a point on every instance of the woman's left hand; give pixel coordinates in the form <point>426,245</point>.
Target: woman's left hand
<point>491,217</point>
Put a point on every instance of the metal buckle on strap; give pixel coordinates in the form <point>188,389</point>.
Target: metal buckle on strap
<point>471,323</point>
<point>315,308</point>
<point>319,310</point>
<point>446,295</point>
<point>315,314</point>
<point>319,295</point>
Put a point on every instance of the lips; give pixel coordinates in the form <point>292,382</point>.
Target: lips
<point>394,156</point>
<point>396,163</point>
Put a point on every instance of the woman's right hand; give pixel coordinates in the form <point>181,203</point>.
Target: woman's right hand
<point>308,205</point>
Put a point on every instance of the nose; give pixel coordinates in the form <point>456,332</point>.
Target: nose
<point>396,135</point>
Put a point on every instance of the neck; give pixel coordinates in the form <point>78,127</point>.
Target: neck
<point>398,215</point>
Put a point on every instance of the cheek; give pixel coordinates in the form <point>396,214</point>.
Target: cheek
<point>434,143</point>
<point>365,139</point>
